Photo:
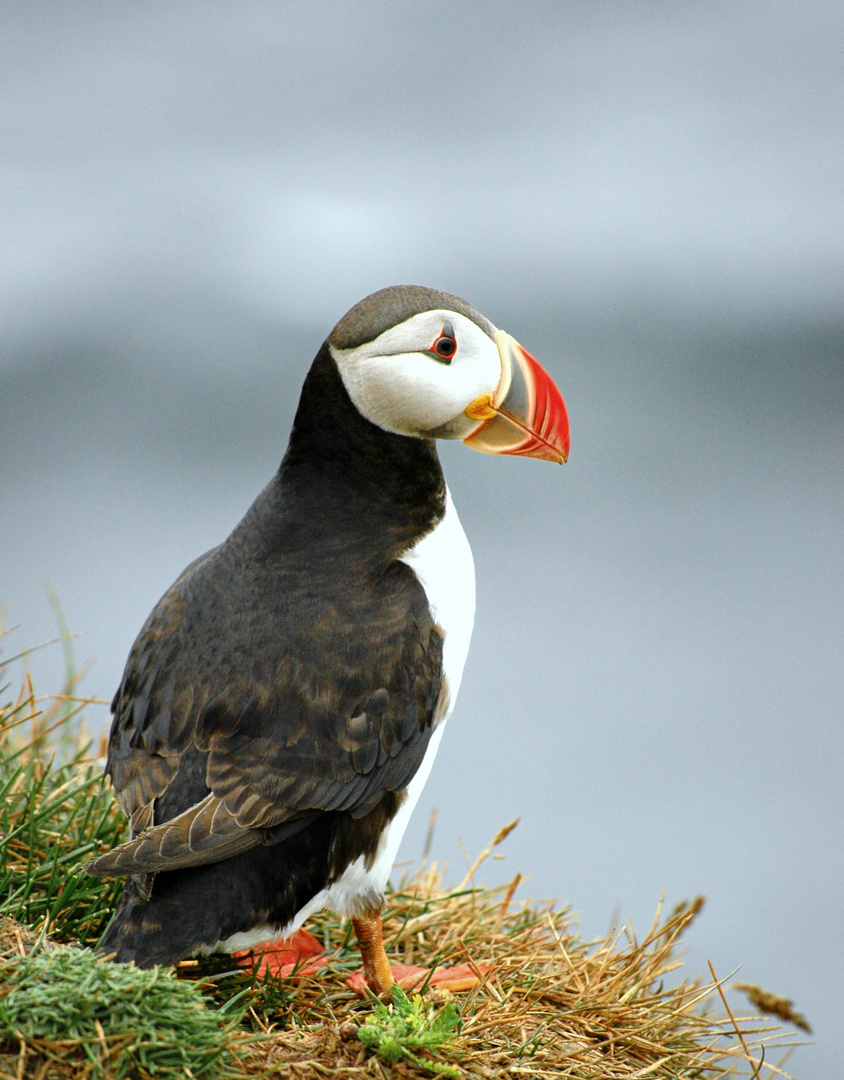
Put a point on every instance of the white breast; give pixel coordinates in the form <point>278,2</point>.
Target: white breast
<point>442,561</point>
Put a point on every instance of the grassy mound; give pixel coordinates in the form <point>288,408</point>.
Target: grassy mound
<point>552,1005</point>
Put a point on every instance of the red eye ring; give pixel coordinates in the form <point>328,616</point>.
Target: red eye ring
<point>445,346</point>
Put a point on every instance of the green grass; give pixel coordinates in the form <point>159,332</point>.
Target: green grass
<point>64,1007</point>
<point>55,812</point>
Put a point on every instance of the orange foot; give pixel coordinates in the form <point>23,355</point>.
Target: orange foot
<point>461,977</point>
<point>285,956</point>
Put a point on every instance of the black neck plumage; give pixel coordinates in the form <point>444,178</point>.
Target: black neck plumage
<point>345,477</point>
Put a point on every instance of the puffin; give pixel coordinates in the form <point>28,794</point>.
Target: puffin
<point>281,708</point>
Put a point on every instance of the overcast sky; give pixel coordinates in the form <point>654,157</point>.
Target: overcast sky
<point>649,197</point>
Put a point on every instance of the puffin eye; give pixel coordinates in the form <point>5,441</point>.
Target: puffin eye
<point>445,345</point>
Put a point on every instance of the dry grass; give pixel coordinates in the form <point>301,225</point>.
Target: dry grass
<point>552,1005</point>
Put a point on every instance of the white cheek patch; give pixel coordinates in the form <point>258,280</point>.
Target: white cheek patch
<point>396,383</point>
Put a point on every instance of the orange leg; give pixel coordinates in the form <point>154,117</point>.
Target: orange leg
<point>378,974</point>
<point>376,966</point>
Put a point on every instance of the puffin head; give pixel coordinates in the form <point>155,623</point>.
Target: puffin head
<point>423,363</point>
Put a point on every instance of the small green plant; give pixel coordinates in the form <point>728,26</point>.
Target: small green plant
<point>397,1031</point>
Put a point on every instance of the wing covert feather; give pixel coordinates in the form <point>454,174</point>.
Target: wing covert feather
<point>282,735</point>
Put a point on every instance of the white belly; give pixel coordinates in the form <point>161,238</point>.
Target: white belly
<point>442,561</point>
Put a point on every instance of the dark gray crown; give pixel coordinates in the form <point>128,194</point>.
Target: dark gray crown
<point>389,307</point>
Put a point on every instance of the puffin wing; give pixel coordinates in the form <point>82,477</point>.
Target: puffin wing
<point>261,754</point>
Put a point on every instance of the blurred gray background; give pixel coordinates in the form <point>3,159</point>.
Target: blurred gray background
<point>649,197</point>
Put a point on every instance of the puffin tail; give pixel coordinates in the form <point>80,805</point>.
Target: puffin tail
<point>173,914</point>
<point>129,937</point>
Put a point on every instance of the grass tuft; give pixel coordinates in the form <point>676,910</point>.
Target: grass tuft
<point>55,812</point>
<point>71,1013</point>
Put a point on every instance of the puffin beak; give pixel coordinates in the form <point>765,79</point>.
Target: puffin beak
<point>526,415</point>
